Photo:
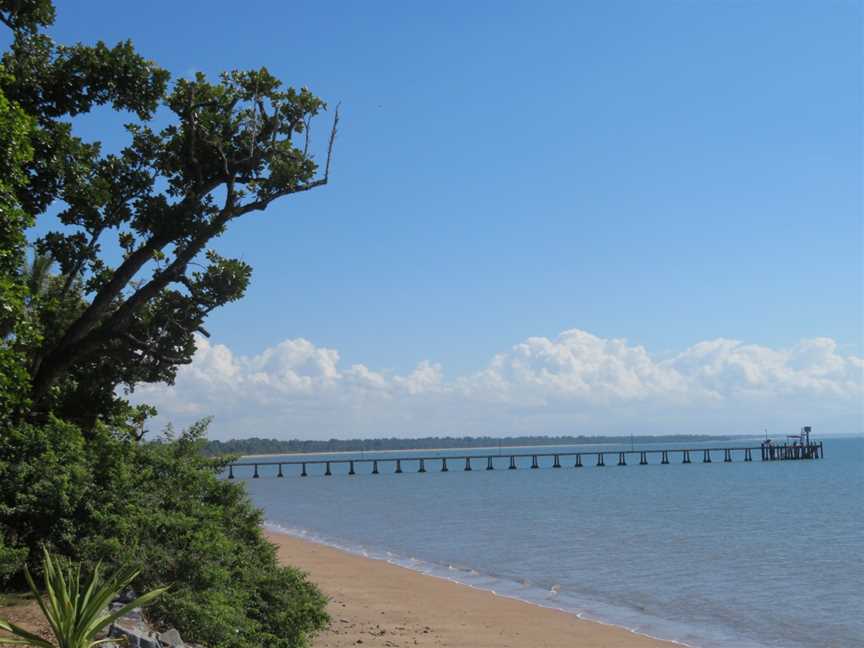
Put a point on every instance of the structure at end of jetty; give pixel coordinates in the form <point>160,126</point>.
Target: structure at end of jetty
<point>796,446</point>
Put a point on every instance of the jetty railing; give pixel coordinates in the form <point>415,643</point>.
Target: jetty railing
<point>576,459</point>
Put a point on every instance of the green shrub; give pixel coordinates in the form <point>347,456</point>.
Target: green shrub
<point>44,480</point>
<point>11,560</point>
<point>161,508</point>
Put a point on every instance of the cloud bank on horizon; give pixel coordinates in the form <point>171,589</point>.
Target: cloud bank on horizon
<point>577,383</point>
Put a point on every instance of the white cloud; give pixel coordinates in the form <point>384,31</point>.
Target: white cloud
<point>575,383</point>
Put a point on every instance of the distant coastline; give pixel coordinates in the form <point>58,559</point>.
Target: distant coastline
<point>258,447</point>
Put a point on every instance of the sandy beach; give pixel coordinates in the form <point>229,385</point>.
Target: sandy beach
<point>374,603</point>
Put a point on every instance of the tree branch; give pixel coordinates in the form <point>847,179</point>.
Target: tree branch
<point>103,299</point>
<point>264,202</point>
<point>307,121</point>
<point>332,140</point>
<point>70,278</point>
<point>259,205</point>
<point>145,346</point>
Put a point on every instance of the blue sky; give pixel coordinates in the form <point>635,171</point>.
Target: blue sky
<point>664,172</point>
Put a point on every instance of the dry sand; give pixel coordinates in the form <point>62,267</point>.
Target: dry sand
<point>376,604</point>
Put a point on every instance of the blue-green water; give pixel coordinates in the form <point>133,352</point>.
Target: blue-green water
<point>712,555</point>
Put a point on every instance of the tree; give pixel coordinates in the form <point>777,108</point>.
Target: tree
<point>15,332</point>
<point>75,475</point>
<point>235,146</point>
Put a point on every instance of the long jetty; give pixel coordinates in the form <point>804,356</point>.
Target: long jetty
<point>510,461</point>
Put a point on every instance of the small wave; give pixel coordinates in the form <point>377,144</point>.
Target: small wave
<point>522,590</point>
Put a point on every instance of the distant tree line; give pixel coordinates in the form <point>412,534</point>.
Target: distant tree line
<point>256,445</point>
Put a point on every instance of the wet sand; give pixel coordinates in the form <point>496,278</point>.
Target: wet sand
<point>374,603</point>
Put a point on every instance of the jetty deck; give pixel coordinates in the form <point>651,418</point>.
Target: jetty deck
<point>514,461</point>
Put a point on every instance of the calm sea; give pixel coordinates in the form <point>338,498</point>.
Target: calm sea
<point>712,555</point>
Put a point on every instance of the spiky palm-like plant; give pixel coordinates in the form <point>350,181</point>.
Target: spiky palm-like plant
<point>37,273</point>
<point>76,611</point>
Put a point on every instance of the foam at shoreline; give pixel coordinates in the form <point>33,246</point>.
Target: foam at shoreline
<point>548,597</point>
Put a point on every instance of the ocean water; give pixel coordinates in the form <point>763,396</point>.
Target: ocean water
<point>715,555</point>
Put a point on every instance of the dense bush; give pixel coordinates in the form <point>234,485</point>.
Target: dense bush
<point>160,507</point>
<point>44,479</point>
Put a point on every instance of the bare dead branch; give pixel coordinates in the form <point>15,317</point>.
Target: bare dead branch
<point>307,122</point>
<point>330,144</point>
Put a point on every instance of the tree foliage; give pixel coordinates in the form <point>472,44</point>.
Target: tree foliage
<point>160,508</point>
<point>233,147</point>
<point>16,127</point>
<point>200,533</point>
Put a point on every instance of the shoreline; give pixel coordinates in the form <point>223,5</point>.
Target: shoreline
<point>377,603</point>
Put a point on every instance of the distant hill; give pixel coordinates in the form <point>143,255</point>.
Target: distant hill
<point>255,445</point>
